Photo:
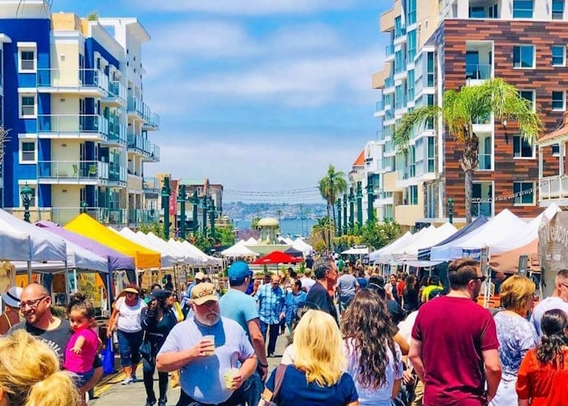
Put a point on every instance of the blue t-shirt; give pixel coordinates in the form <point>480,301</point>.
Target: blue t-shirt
<point>240,307</point>
<point>295,390</point>
<point>516,337</point>
<point>204,378</point>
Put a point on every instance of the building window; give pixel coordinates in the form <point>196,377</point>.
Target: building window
<point>1,111</point>
<point>558,100</point>
<point>522,148</point>
<point>28,152</point>
<point>410,81</point>
<point>430,69</point>
<point>558,55</point>
<point>411,46</point>
<point>413,195</point>
<point>524,193</point>
<point>431,154</point>
<point>494,11</point>
<point>529,96</point>
<point>523,56</point>
<point>523,8</point>
<point>476,12</point>
<point>27,61</point>
<point>27,106</point>
<point>482,204</point>
<point>557,9</point>
<point>411,13</point>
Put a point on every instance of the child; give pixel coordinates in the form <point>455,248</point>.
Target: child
<point>82,347</point>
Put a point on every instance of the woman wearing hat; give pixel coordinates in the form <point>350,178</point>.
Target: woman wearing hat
<point>158,319</point>
<point>11,315</point>
<point>126,320</point>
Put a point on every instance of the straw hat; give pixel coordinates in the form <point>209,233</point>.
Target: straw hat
<point>131,290</point>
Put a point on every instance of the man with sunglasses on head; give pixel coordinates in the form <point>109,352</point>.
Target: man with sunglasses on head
<point>454,345</point>
<point>558,300</point>
<point>35,306</point>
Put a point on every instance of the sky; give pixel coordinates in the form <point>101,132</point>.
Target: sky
<point>258,95</point>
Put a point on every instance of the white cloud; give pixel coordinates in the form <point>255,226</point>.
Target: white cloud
<point>279,162</point>
<point>245,7</point>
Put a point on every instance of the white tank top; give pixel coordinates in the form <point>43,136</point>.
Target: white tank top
<point>129,319</point>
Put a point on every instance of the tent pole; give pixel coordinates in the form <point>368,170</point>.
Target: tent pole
<point>29,272</point>
<point>66,283</point>
<point>75,280</point>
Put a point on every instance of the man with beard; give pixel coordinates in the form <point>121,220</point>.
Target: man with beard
<point>213,353</point>
<point>35,305</point>
<point>454,346</point>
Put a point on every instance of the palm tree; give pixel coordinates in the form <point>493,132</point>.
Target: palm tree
<point>461,109</point>
<point>322,228</point>
<point>332,185</point>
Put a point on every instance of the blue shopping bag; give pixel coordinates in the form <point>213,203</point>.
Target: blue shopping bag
<point>107,357</point>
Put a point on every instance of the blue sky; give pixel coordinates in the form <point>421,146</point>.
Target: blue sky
<point>256,94</point>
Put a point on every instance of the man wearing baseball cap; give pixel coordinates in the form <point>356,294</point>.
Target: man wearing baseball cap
<point>237,305</point>
<point>213,353</point>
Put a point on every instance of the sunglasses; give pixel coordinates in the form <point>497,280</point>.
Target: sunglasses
<point>479,278</point>
<point>32,304</point>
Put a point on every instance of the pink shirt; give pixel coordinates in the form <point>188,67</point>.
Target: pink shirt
<point>83,362</point>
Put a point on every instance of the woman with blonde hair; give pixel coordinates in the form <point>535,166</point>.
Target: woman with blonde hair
<point>516,335</point>
<point>30,374</point>
<point>318,374</point>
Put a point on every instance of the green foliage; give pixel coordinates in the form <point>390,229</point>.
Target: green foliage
<point>225,235</point>
<point>331,186</point>
<point>320,246</point>
<point>372,234</point>
<point>154,227</point>
<point>322,229</point>
<point>93,16</point>
<point>254,222</point>
<point>202,242</point>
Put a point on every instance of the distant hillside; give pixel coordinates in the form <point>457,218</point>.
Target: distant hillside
<point>246,211</point>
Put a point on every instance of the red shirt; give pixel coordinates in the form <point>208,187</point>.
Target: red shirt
<point>542,383</point>
<point>454,331</point>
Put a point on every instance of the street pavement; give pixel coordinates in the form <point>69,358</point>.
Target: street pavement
<point>111,393</point>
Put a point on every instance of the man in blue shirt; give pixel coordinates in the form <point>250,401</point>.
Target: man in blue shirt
<point>271,298</point>
<point>203,362</point>
<point>238,306</point>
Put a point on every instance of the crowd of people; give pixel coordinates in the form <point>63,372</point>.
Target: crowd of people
<point>354,337</point>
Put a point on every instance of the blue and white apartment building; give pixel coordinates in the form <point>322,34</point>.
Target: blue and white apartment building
<point>71,97</point>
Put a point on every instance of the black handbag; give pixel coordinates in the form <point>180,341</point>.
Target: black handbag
<point>145,348</point>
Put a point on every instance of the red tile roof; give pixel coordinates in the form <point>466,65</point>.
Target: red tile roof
<point>360,161</point>
<point>558,133</point>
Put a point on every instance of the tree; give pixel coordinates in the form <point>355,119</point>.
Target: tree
<point>322,230</point>
<point>154,227</point>
<point>332,185</point>
<point>377,235</point>
<point>461,109</point>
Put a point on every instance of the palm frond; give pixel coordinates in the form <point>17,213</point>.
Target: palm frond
<point>410,121</point>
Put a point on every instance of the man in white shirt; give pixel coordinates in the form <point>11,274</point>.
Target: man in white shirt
<point>558,300</point>
<point>307,281</point>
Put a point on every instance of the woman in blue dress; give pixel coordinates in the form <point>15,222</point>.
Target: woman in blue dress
<point>294,300</point>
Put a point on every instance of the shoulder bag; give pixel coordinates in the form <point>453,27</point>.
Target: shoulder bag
<point>145,348</point>
<point>273,401</point>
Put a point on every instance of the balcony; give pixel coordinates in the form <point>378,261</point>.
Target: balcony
<point>478,72</point>
<point>116,95</point>
<point>154,155</point>
<point>88,82</point>
<point>389,51</point>
<point>135,107</point>
<point>116,133</point>
<point>151,186</point>
<point>73,172</point>
<point>389,82</point>
<point>139,216</point>
<point>142,146</point>
<point>553,189</point>
<point>151,122</point>
<point>117,175</point>
<point>72,126</point>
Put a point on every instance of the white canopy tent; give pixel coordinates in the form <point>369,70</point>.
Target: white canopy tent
<point>301,245</point>
<point>356,251</point>
<point>196,259</point>
<point>387,256</point>
<point>505,223</point>
<point>182,256</point>
<point>375,255</point>
<point>167,259</point>
<point>238,250</point>
<point>252,241</point>
<point>210,260</point>
<point>431,237</point>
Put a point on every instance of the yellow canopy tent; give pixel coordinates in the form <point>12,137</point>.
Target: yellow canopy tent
<point>87,226</point>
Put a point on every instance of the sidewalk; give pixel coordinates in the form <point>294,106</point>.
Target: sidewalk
<point>110,392</point>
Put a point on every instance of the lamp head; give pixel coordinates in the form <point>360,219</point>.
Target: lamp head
<point>26,193</point>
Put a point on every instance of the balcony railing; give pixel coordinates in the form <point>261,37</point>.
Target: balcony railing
<point>72,79</point>
<point>389,50</point>
<point>116,131</point>
<point>117,90</point>
<point>151,185</point>
<point>66,124</point>
<point>478,71</point>
<point>135,106</point>
<point>152,120</point>
<point>154,152</point>
<point>553,188</point>
<point>73,171</point>
<point>379,106</point>
<point>117,173</point>
<point>389,82</point>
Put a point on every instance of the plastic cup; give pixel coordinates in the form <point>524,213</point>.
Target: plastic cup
<point>211,339</point>
<point>229,376</point>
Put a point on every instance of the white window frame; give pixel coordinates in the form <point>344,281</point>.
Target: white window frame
<point>563,108</point>
<point>21,105</point>
<point>533,193</point>
<point>533,156</point>
<point>533,96</point>
<point>563,55</point>
<point>533,66</point>
<point>27,47</point>
<point>32,184</point>
<point>21,155</point>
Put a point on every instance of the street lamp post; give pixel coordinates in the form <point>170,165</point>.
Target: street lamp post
<point>351,209</point>
<point>370,199</point>
<point>338,230</point>
<point>194,200</point>
<point>165,194</point>
<point>359,198</point>
<point>212,214</point>
<point>345,222</point>
<point>84,207</point>
<point>204,207</point>
<point>451,210</point>
<point>26,194</point>
<point>181,200</point>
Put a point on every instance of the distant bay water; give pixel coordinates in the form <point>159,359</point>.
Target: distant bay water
<point>291,227</point>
